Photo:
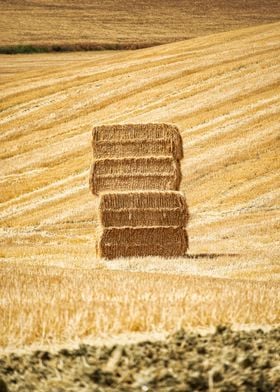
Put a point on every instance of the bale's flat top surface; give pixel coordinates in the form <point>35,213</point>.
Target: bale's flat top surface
<point>134,132</point>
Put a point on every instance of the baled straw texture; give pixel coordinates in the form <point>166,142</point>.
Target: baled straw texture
<point>146,165</point>
<point>158,173</point>
<point>143,199</point>
<point>140,217</point>
<point>140,235</point>
<point>151,208</point>
<point>134,148</point>
<point>142,241</point>
<point>116,251</point>
<point>112,141</point>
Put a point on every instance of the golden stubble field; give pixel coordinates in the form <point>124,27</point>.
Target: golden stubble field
<point>95,23</point>
<point>223,92</point>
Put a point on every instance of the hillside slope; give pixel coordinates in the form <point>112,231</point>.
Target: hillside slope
<point>223,92</point>
<point>95,23</point>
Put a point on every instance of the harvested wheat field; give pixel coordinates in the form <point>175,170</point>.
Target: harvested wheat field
<point>37,25</point>
<point>223,92</point>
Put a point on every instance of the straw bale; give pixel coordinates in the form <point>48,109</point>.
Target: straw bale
<point>143,209</point>
<point>134,139</point>
<point>134,148</point>
<point>162,173</point>
<point>143,241</point>
<point>143,235</point>
<point>131,182</point>
<point>115,251</point>
<point>143,199</point>
<point>139,217</point>
<point>145,165</point>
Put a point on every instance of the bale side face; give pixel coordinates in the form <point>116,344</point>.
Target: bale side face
<point>117,133</point>
<point>164,236</point>
<point>143,217</point>
<point>116,251</point>
<point>144,241</point>
<point>134,182</point>
<point>143,199</point>
<point>143,165</point>
<point>143,209</point>
<point>131,174</point>
<point>134,148</point>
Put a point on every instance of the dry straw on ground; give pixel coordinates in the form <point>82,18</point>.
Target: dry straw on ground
<point>162,173</point>
<point>47,302</point>
<point>152,208</point>
<point>137,140</point>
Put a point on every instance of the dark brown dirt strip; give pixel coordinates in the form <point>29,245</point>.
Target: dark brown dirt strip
<point>225,361</point>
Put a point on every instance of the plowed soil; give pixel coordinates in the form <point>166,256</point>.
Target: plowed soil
<point>222,361</point>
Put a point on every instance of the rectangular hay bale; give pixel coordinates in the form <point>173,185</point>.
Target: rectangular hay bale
<point>151,208</point>
<point>143,241</point>
<point>142,235</point>
<point>162,173</point>
<point>139,217</point>
<point>143,199</point>
<point>122,183</point>
<point>133,148</point>
<point>116,251</point>
<point>136,140</point>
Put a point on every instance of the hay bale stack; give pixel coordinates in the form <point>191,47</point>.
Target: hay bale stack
<point>149,208</point>
<point>136,140</point>
<point>162,173</point>
<point>136,171</point>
